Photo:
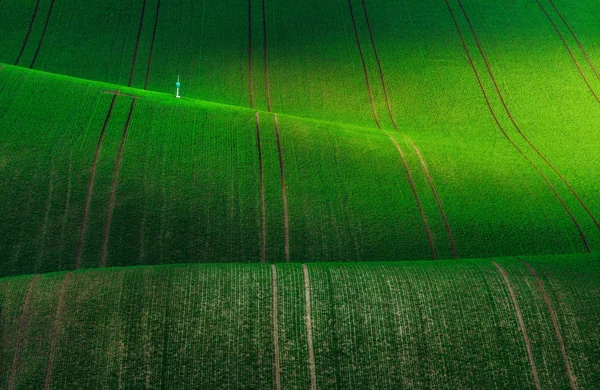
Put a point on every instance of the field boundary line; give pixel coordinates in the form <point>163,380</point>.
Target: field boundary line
<point>497,121</point>
<point>55,330</point>
<point>308,322</point>
<point>137,44</point>
<point>514,122</point>
<point>566,45</point>
<point>43,35</point>
<point>113,191</point>
<point>275,328</point>
<point>286,221</point>
<point>391,112</point>
<point>263,221</point>
<point>88,197</point>
<point>554,318</point>
<point>250,53</point>
<point>23,323</point>
<point>152,45</point>
<point>521,324</point>
<point>28,32</point>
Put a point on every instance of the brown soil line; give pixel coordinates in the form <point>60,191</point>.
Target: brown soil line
<point>113,193</point>
<point>437,198</point>
<point>56,328</point>
<point>23,323</point>
<point>364,65</point>
<point>514,122</point>
<point>275,328</point>
<point>43,35</point>
<point>264,21</point>
<point>88,197</point>
<point>137,44</point>
<point>554,318</point>
<point>308,322</point>
<point>589,61</point>
<point>119,93</point>
<point>263,222</point>
<point>497,121</point>
<point>521,324</point>
<point>28,32</point>
<point>286,222</point>
<point>250,53</point>
<point>152,45</point>
<point>416,196</point>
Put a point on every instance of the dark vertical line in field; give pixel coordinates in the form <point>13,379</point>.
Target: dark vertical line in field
<point>28,32</point>
<point>309,336</point>
<point>152,45</point>
<point>521,324</point>
<point>334,336</point>
<point>286,221</point>
<point>263,222</point>
<point>137,44</point>
<point>275,328</point>
<point>391,112</point>
<point>113,192</point>
<point>42,240</point>
<point>587,57</point>
<point>514,122</point>
<point>43,35</point>
<point>66,208</point>
<point>23,323</point>
<point>566,45</point>
<point>514,145</point>
<point>250,53</point>
<point>56,328</point>
<point>264,22</point>
<point>88,197</point>
<point>554,319</point>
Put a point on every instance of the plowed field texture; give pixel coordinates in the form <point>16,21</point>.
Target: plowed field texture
<point>349,194</point>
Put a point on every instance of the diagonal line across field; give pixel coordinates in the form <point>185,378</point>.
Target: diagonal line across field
<point>56,329</point>
<point>43,35</point>
<point>28,32</point>
<point>152,45</point>
<point>510,140</point>
<point>137,44</point>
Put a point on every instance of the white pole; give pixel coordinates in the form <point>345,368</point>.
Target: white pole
<point>178,84</point>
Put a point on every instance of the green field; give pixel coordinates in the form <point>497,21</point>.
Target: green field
<point>351,137</point>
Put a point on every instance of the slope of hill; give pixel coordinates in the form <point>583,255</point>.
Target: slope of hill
<point>500,323</point>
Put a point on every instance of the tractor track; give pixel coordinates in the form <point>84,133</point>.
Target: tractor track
<point>137,44</point>
<point>88,197</point>
<point>152,45</point>
<point>35,11</point>
<point>391,112</point>
<point>56,328</point>
<point>263,222</point>
<point>250,53</point>
<point>264,22</point>
<point>518,128</point>
<point>554,319</point>
<point>562,38</point>
<point>309,330</point>
<point>43,35</point>
<point>286,221</point>
<point>514,145</point>
<point>276,367</point>
<point>398,148</point>
<point>113,192</point>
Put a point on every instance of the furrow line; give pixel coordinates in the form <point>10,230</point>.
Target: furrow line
<point>263,222</point>
<point>264,22</point>
<point>250,53</point>
<point>286,223</point>
<point>37,6</point>
<point>277,368</point>
<point>88,197</point>
<point>553,317</point>
<point>513,296</point>
<point>113,192</point>
<point>152,45</point>
<point>518,128</point>
<point>56,328</point>
<point>497,121</point>
<point>43,35</point>
<point>137,44</point>
<point>309,335</point>
<point>23,323</point>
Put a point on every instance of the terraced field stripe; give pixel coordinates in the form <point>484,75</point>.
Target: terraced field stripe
<point>56,328</point>
<point>263,221</point>
<point>562,38</point>
<point>585,53</point>
<point>513,296</point>
<point>286,221</point>
<point>497,121</point>
<point>43,34</point>
<point>554,318</point>
<point>37,6</point>
<point>517,127</point>
<point>264,22</point>
<point>137,44</point>
<point>250,53</point>
<point>23,323</point>
<point>391,112</point>
<point>88,197</point>
<point>113,192</point>
<point>364,65</point>
<point>275,328</point>
<point>309,335</point>
<point>152,45</point>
